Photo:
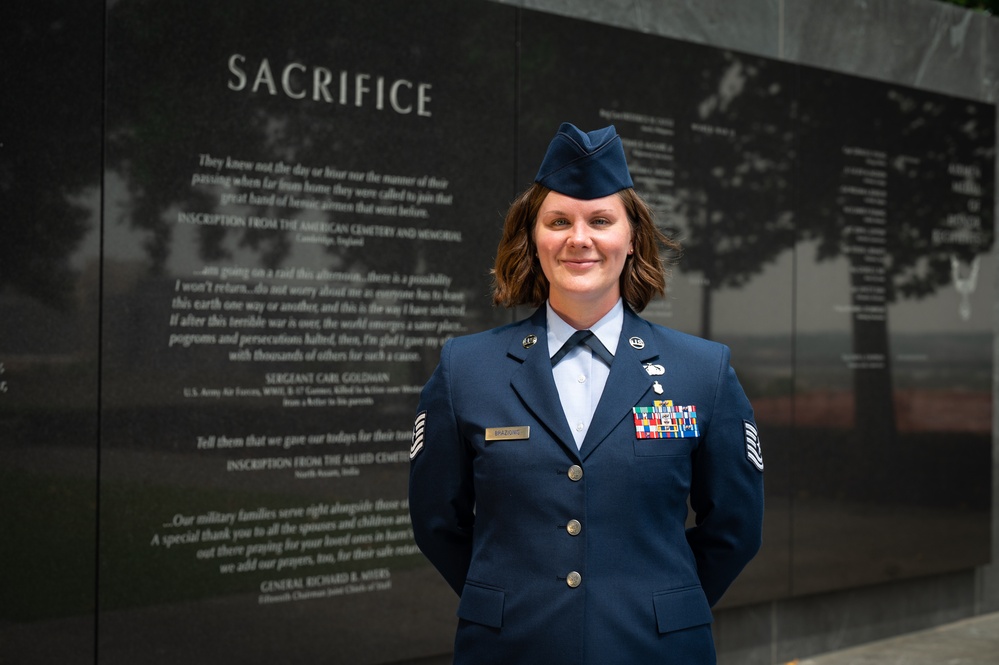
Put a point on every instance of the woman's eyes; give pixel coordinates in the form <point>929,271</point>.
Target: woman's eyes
<point>598,221</point>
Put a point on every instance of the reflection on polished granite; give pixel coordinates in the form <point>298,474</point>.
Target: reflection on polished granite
<point>990,62</point>
<point>879,40</point>
<point>149,635</point>
<point>972,641</point>
<point>928,45</point>
<point>751,26</point>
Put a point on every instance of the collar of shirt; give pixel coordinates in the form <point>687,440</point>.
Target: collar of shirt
<point>607,329</point>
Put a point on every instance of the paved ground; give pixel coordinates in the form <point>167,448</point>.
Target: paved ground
<point>973,641</point>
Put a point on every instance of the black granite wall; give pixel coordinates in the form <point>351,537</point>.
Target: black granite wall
<point>238,234</point>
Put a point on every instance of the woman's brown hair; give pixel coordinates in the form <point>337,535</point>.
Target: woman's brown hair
<point>519,280</point>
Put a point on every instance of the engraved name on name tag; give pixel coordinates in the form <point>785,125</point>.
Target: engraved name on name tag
<point>508,433</point>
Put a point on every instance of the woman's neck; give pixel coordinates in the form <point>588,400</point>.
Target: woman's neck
<point>581,315</point>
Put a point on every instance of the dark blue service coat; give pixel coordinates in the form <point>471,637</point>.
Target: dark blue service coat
<point>581,556</point>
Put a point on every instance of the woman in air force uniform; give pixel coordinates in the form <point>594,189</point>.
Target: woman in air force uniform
<point>553,458</point>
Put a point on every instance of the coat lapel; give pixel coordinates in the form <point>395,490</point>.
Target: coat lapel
<point>533,381</point>
<point>628,382</point>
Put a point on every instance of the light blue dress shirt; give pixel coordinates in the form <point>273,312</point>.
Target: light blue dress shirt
<point>580,377</point>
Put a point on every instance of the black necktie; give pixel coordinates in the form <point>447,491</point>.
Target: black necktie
<point>587,339</point>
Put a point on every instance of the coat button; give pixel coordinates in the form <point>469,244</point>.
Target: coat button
<point>573,579</point>
<point>573,527</point>
<point>575,472</point>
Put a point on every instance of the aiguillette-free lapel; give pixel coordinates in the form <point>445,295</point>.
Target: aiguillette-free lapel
<point>533,381</point>
<point>628,383</point>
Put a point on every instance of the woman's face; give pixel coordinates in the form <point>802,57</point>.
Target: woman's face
<point>582,247</point>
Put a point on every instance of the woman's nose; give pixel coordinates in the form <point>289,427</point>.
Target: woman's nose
<point>580,236</point>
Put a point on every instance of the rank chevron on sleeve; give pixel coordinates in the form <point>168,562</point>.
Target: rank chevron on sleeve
<point>754,453</point>
<point>418,428</point>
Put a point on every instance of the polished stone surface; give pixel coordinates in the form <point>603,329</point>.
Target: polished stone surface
<point>321,179</point>
<point>990,62</point>
<point>930,45</point>
<point>968,641</point>
<point>837,620</point>
<point>922,43</point>
<point>973,641</point>
<point>48,477</point>
<point>751,27</point>
<point>50,169</point>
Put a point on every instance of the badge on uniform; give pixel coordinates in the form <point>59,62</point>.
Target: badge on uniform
<point>754,453</point>
<point>418,427</point>
<point>521,433</point>
<point>662,420</point>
